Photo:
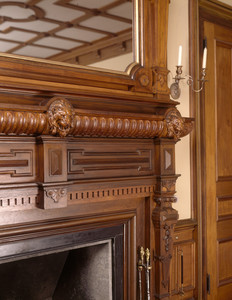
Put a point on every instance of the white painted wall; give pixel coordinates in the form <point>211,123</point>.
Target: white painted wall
<point>118,63</point>
<point>178,35</point>
<point>229,2</point>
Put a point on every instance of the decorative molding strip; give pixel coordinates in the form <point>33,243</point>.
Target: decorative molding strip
<point>61,119</point>
<point>111,193</point>
<point>60,197</point>
<point>18,202</point>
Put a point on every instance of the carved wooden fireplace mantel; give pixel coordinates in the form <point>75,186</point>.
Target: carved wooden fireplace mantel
<point>84,149</point>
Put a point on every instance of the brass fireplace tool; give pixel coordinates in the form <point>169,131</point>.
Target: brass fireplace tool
<point>147,267</point>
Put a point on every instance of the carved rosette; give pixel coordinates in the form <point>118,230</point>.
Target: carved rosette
<point>61,119</point>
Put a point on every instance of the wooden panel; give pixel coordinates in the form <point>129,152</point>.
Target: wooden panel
<point>184,244</point>
<point>224,207</point>
<point>224,291</point>
<point>174,272</point>
<point>224,230</point>
<point>52,159</point>
<point>109,159</point>
<point>186,235</point>
<point>225,265</point>
<point>188,251</point>
<point>17,162</point>
<point>223,110</point>
<point>224,188</point>
<point>189,265</point>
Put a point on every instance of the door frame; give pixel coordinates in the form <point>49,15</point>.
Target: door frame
<point>221,14</point>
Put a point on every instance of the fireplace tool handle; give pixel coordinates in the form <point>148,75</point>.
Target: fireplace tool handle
<point>148,269</point>
<point>140,269</point>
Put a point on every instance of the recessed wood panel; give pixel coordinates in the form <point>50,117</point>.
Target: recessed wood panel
<point>189,264</point>
<point>224,207</point>
<point>224,291</point>
<point>109,159</point>
<point>17,162</point>
<point>225,265</point>
<point>224,229</point>
<point>174,271</point>
<point>223,110</point>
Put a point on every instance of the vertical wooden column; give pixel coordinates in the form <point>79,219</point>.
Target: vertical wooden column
<point>155,34</point>
<point>52,171</point>
<point>152,55</point>
<point>164,217</point>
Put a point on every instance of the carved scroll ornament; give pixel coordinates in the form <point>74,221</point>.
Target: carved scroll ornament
<point>60,119</point>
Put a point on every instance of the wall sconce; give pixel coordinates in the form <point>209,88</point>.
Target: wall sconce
<point>175,90</point>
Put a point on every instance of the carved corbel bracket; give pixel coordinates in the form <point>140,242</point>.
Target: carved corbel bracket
<point>160,85</point>
<point>52,196</point>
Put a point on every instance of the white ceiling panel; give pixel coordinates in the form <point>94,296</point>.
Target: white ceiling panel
<point>124,10</point>
<point>17,35</point>
<point>57,12</point>
<point>92,3</point>
<point>106,24</point>
<point>16,12</point>
<point>39,26</point>
<point>36,51</point>
<point>5,46</point>
<point>80,34</point>
<point>57,43</point>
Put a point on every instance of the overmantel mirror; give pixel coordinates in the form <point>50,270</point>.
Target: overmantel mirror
<point>125,39</point>
<point>78,32</point>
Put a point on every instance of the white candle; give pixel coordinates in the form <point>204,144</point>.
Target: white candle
<point>179,56</point>
<point>204,58</point>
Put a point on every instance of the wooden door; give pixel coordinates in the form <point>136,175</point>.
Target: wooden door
<point>217,153</point>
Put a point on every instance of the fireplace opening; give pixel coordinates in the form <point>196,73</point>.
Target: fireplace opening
<point>73,266</point>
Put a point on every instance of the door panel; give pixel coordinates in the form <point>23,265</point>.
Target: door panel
<point>217,121</point>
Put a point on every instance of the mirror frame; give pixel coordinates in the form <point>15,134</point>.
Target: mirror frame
<point>144,80</point>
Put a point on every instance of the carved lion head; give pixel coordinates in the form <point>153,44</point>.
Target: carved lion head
<point>60,117</point>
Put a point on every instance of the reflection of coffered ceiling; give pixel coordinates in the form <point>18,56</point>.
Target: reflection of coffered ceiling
<point>66,30</point>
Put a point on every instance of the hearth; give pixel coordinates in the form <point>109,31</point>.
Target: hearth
<point>86,265</point>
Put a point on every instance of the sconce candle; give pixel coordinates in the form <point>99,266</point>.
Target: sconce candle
<point>175,88</point>
<point>204,58</point>
<point>179,56</point>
